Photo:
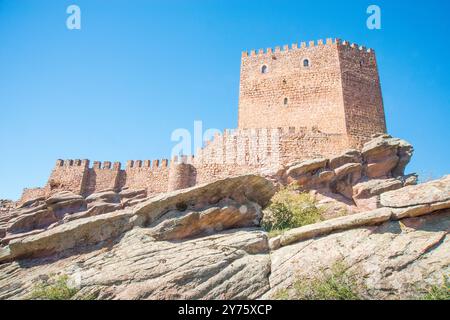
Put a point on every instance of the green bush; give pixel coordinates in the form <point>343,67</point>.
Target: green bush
<point>441,292</point>
<point>56,289</point>
<point>334,285</point>
<point>290,209</point>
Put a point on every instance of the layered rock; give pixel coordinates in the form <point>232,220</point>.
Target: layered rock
<point>394,253</point>
<point>391,260</point>
<point>230,203</point>
<point>358,176</point>
<point>176,246</point>
<point>205,242</point>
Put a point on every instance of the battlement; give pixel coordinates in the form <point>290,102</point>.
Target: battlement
<point>72,163</point>
<point>305,45</point>
<point>98,165</point>
<point>147,164</point>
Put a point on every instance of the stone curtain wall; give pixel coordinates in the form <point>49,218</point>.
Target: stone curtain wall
<point>145,174</point>
<point>32,193</point>
<point>310,145</point>
<point>235,152</point>
<point>69,175</point>
<point>102,177</point>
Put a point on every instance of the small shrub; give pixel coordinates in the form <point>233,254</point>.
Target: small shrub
<point>437,292</point>
<point>290,209</point>
<point>335,285</point>
<point>57,289</point>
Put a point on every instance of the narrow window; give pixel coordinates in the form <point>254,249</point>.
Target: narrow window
<point>306,63</point>
<point>285,101</point>
<point>264,69</point>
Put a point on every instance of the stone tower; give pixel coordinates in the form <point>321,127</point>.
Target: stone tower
<point>333,87</point>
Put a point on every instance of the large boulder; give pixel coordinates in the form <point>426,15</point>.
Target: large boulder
<point>386,156</point>
<point>350,156</point>
<point>425,193</point>
<point>105,196</point>
<point>66,202</point>
<point>306,167</point>
<point>349,174</point>
<point>247,193</point>
<point>226,214</point>
<point>366,193</point>
<point>38,219</point>
<point>417,200</point>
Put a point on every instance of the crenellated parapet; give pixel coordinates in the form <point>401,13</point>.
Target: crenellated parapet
<point>72,163</point>
<point>147,164</point>
<point>304,45</point>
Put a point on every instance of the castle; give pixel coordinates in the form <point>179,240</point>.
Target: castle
<point>299,102</point>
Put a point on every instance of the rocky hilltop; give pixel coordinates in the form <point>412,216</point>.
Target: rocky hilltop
<point>206,242</point>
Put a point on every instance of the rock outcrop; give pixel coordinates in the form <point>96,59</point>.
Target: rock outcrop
<point>205,242</point>
<point>357,176</point>
<point>229,203</point>
<point>391,260</point>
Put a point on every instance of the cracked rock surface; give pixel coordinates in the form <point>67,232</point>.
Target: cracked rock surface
<point>205,243</point>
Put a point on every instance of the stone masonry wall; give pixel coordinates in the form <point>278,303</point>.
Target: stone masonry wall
<point>364,111</point>
<point>103,177</point>
<point>69,175</point>
<point>145,174</point>
<point>313,93</point>
<point>337,92</point>
<point>235,152</point>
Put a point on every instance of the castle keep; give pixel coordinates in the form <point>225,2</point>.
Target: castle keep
<point>299,102</point>
<point>333,87</point>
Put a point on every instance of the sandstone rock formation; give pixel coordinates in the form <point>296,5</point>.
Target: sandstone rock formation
<point>205,242</point>
<point>354,179</point>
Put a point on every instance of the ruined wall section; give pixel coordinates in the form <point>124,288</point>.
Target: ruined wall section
<point>313,93</point>
<point>32,193</point>
<point>103,176</point>
<point>310,145</point>
<point>249,151</point>
<point>235,152</point>
<point>364,111</point>
<point>69,175</point>
<point>145,174</point>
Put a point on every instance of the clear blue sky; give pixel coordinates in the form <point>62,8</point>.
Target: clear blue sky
<point>137,70</point>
